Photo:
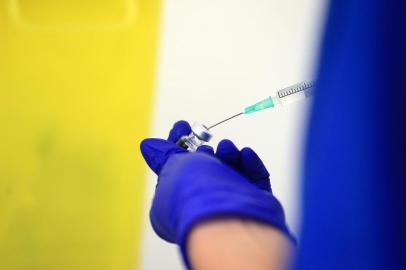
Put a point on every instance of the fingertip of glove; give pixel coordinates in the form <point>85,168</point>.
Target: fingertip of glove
<point>227,148</point>
<point>252,165</point>
<point>179,129</point>
<point>150,144</point>
<point>181,123</point>
<point>249,153</point>
<point>206,149</point>
<point>226,144</point>
<point>144,145</point>
<point>150,149</point>
<point>228,153</point>
<point>157,151</point>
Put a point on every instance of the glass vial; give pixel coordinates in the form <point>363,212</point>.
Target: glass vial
<point>200,134</point>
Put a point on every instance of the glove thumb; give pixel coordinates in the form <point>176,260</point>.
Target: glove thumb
<point>157,151</point>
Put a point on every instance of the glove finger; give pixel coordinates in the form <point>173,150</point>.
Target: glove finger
<point>179,129</point>
<point>157,151</point>
<point>253,168</point>
<point>228,153</point>
<point>206,149</point>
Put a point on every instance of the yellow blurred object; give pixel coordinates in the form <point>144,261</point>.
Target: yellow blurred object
<point>76,83</point>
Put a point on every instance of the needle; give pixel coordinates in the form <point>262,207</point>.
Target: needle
<point>225,120</point>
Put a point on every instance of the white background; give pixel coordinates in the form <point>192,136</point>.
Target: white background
<point>215,58</point>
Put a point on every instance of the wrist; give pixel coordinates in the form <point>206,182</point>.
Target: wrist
<point>234,243</point>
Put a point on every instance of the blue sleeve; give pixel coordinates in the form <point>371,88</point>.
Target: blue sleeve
<point>354,203</point>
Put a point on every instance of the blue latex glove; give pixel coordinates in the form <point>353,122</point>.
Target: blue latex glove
<point>193,187</point>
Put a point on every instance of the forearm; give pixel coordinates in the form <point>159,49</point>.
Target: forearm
<point>238,244</point>
<point>206,184</point>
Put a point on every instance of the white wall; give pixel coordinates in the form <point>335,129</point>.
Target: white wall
<point>215,58</point>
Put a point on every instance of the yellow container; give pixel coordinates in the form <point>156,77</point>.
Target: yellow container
<point>76,82</point>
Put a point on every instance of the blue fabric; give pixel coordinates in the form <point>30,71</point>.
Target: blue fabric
<point>354,203</point>
<point>193,187</point>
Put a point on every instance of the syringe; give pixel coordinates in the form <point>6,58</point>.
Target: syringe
<point>282,98</point>
<point>201,134</point>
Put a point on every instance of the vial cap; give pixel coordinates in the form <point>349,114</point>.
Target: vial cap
<point>202,132</point>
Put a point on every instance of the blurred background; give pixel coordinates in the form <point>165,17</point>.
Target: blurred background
<point>83,81</point>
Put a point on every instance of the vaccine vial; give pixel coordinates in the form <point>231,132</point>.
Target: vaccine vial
<point>200,134</point>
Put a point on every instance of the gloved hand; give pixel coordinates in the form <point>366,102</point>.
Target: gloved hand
<point>193,187</point>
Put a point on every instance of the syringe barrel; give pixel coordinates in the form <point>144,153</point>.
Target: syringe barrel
<point>293,93</point>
